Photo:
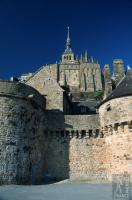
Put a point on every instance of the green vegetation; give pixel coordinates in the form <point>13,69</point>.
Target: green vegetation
<point>97,95</point>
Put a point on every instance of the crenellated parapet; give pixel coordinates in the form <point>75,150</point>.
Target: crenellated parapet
<point>117,128</point>
<point>76,134</point>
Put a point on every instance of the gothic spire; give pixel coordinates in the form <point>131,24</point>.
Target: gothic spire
<point>68,41</point>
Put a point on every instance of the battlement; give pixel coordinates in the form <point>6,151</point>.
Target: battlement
<point>117,128</point>
<point>79,134</point>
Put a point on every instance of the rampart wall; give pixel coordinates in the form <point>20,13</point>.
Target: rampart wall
<point>116,127</point>
<point>21,134</point>
<point>76,149</point>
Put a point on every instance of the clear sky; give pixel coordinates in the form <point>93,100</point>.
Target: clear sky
<point>33,32</point>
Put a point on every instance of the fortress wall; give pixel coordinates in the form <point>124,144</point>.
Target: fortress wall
<point>82,122</point>
<point>75,155</point>
<point>76,149</point>
<point>21,134</point>
<point>87,154</point>
<point>57,156</point>
<point>87,159</point>
<point>116,111</point>
<point>116,125</point>
<point>59,122</point>
<point>119,151</point>
<point>21,90</point>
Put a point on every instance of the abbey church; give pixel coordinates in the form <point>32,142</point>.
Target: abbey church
<point>68,120</point>
<point>81,78</point>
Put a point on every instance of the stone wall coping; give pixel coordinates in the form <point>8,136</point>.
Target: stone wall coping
<point>23,91</point>
<point>26,98</point>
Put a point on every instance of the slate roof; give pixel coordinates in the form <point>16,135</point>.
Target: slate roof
<point>124,88</point>
<point>68,51</point>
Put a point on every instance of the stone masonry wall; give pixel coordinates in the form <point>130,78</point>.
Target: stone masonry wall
<point>82,122</point>
<point>87,158</point>
<point>43,82</point>
<point>116,126</point>
<point>76,149</point>
<point>90,79</point>
<point>116,111</point>
<point>87,152</point>
<point>76,156</point>
<point>119,151</point>
<point>21,134</point>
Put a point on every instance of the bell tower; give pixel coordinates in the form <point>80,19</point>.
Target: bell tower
<point>68,55</point>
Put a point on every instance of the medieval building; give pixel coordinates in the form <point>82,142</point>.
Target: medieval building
<point>69,120</point>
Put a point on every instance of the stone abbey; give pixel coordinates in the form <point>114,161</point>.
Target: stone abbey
<point>69,120</point>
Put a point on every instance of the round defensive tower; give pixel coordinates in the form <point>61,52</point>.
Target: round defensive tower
<point>21,111</point>
<point>115,114</point>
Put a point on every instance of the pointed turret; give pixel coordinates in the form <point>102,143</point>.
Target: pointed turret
<point>129,70</point>
<point>86,56</point>
<point>92,60</point>
<point>81,58</point>
<point>76,57</point>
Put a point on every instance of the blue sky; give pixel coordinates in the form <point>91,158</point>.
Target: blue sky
<point>33,32</point>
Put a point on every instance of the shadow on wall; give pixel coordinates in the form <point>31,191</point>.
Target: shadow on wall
<point>57,147</point>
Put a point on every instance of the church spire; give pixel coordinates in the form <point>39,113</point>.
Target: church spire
<point>68,55</point>
<point>68,41</point>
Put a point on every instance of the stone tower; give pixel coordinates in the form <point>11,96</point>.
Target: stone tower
<point>115,114</point>
<point>68,70</point>
<point>21,133</point>
<point>118,68</point>
<point>107,81</point>
<point>68,55</point>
